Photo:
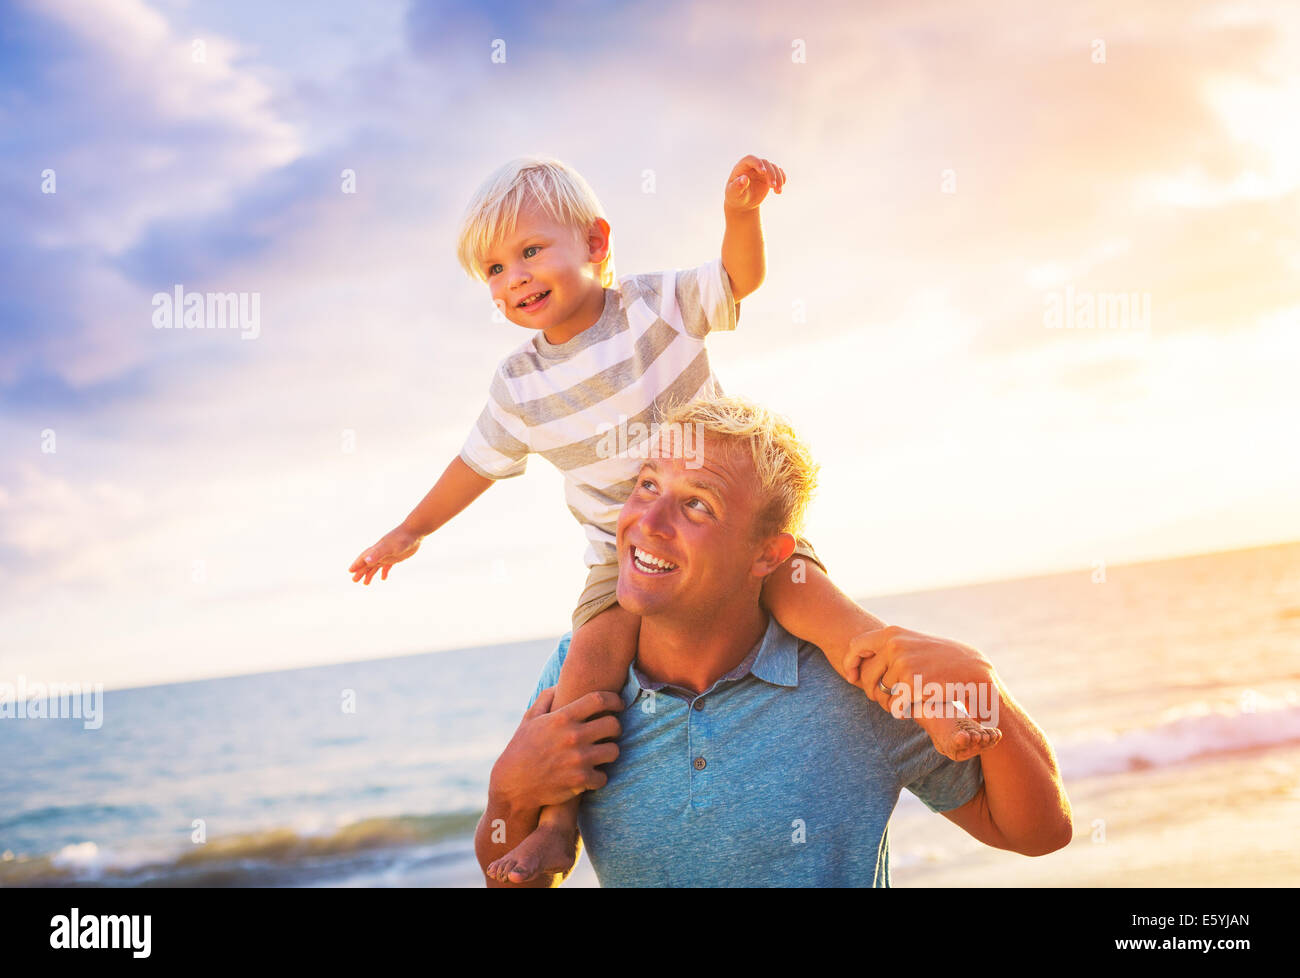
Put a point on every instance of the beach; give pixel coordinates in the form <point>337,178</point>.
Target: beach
<point>1226,822</point>
<point>1170,692</point>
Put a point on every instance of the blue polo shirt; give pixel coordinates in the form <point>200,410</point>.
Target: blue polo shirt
<point>780,774</point>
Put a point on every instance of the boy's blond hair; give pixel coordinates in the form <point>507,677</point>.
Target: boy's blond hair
<point>559,191</point>
<point>787,475</point>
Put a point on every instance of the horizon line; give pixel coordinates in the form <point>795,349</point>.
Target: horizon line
<point>872,597</point>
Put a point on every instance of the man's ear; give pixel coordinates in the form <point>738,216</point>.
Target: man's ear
<point>774,552</point>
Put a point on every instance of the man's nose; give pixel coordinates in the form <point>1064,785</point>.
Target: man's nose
<point>656,519</point>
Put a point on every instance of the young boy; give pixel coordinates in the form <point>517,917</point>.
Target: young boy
<point>607,356</point>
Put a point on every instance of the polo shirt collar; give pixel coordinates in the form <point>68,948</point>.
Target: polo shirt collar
<point>775,660</point>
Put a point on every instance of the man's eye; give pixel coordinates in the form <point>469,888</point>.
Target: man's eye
<point>645,482</point>
<point>704,507</point>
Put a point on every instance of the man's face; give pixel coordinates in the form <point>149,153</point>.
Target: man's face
<point>699,521</point>
<point>541,276</point>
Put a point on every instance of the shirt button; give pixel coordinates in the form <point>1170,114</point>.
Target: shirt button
<point>700,763</point>
<point>699,704</point>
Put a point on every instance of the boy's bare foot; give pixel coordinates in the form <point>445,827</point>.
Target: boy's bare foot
<point>548,849</point>
<point>959,738</point>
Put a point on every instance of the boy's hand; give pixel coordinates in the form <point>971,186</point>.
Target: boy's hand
<point>750,181</point>
<point>395,547</point>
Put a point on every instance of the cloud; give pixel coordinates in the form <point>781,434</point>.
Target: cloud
<point>1051,155</point>
<point>924,334</point>
<point>135,130</point>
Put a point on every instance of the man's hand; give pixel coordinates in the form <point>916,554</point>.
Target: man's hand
<point>892,656</point>
<point>554,756</point>
<point>749,183</point>
<point>394,547</point>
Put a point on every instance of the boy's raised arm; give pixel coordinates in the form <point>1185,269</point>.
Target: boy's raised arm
<point>742,242</point>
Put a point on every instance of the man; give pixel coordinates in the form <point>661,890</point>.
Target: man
<point>744,760</point>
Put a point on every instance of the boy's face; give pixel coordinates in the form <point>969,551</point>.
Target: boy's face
<point>545,275</point>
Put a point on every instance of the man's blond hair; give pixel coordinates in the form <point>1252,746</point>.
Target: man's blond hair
<point>787,475</point>
<point>493,212</point>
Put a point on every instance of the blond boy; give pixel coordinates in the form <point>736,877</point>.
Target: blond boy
<point>609,355</point>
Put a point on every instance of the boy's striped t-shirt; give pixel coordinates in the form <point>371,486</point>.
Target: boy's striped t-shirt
<point>570,402</point>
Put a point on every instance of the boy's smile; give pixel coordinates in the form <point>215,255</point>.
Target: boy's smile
<point>534,302</point>
<point>545,275</point>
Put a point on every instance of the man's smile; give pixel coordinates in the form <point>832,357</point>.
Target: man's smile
<point>648,563</point>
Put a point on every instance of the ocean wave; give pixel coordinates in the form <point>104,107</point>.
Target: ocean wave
<point>310,850</point>
<point>1197,731</point>
<point>268,857</point>
<point>54,814</point>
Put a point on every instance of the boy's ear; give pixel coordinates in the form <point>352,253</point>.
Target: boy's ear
<point>598,240</point>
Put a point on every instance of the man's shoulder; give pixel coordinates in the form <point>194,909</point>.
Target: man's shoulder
<point>844,709</point>
<point>817,677</point>
<point>551,670</point>
<point>835,711</point>
<point>844,701</point>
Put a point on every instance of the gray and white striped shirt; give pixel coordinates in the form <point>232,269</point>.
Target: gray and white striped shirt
<point>646,351</point>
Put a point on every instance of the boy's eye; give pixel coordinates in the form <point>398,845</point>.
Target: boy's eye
<point>493,269</point>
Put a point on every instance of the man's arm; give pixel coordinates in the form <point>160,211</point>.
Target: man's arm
<point>1022,805</point>
<point>503,820</point>
<point>1021,798</point>
<point>550,758</point>
<point>510,814</point>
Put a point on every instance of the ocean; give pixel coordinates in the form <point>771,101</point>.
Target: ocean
<point>1170,691</point>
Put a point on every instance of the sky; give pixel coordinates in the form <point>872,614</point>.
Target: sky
<point>183,503</point>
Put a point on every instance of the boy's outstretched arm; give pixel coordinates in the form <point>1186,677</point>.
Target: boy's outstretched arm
<point>742,243</point>
<point>808,604</point>
<point>457,488</point>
